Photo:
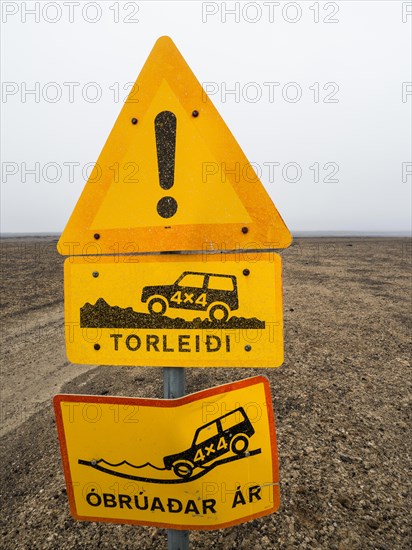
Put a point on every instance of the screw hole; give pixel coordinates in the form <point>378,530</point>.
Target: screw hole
<point>97,347</point>
<point>248,348</point>
<point>134,121</point>
<point>95,274</point>
<point>245,230</point>
<point>96,236</point>
<point>246,272</point>
<point>195,114</point>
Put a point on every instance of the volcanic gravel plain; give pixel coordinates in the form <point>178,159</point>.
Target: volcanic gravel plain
<point>342,402</point>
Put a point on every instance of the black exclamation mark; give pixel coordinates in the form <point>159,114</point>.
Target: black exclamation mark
<point>165,130</point>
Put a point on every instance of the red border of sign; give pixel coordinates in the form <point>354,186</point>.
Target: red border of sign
<point>166,403</point>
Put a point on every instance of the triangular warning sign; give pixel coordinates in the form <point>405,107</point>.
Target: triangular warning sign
<point>171,176</point>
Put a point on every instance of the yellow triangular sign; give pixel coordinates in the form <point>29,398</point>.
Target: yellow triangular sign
<point>171,176</point>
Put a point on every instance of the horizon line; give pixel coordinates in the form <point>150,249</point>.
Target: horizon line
<point>298,234</point>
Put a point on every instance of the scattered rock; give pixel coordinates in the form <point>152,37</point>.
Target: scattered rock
<point>344,501</point>
<point>372,523</point>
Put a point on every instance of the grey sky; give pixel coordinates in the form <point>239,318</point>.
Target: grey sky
<point>323,108</point>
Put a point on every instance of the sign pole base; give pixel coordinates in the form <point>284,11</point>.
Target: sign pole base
<point>177,540</point>
<point>173,387</point>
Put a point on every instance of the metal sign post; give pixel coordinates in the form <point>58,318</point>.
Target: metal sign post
<point>173,382</point>
<point>173,387</point>
<point>200,308</point>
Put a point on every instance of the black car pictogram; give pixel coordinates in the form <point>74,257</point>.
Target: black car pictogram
<point>228,433</point>
<point>212,292</point>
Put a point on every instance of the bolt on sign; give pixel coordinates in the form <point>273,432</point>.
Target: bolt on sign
<point>180,310</point>
<point>171,176</point>
<point>218,467</point>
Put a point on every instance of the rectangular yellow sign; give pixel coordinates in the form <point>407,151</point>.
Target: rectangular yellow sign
<point>184,311</point>
<point>204,461</point>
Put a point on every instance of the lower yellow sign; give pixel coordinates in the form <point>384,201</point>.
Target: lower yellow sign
<point>204,461</point>
<point>188,311</point>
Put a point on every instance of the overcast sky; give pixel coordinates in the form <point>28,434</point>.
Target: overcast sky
<point>317,94</point>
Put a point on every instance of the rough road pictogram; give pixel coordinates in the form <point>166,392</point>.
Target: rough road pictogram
<point>213,293</point>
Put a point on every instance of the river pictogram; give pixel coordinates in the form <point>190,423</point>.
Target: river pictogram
<point>227,436</point>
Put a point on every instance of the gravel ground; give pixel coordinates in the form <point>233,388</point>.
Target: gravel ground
<point>341,399</point>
